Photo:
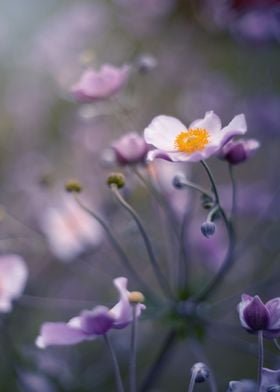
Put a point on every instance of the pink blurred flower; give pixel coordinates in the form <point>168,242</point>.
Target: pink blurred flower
<point>91,323</point>
<point>13,276</point>
<point>70,230</point>
<point>130,149</point>
<point>97,85</point>
<point>204,137</point>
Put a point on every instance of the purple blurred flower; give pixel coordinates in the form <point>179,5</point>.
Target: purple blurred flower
<point>91,323</point>
<point>70,230</point>
<point>97,85</point>
<point>243,386</point>
<point>238,151</point>
<point>13,276</point>
<point>202,139</point>
<point>130,149</point>
<point>269,378</point>
<point>256,316</point>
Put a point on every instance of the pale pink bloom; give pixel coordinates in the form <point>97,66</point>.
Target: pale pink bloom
<point>13,277</point>
<point>91,323</point>
<point>70,230</point>
<point>130,149</point>
<point>204,137</point>
<point>97,85</point>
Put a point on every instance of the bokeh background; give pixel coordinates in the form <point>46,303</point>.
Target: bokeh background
<point>216,55</point>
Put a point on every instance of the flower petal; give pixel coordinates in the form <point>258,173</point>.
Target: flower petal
<point>269,378</point>
<point>245,301</point>
<point>211,122</point>
<point>273,307</point>
<point>59,334</point>
<point>162,132</point>
<point>97,321</point>
<point>236,127</point>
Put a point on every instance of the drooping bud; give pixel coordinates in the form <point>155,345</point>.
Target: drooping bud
<point>208,229</point>
<point>73,186</point>
<point>178,180</point>
<point>117,179</point>
<point>146,63</point>
<point>253,314</point>
<point>239,151</point>
<point>130,149</point>
<point>136,297</point>
<point>201,372</point>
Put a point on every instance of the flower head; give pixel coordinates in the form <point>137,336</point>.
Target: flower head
<point>256,316</point>
<point>98,85</point>
<point>91,323</point>
<point>270,378</point>
<point>130,149</point>
<point>239,151</point>
<point>13,276</point>
<point>204,137</point>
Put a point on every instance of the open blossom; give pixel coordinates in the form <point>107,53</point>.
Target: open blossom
<point>70,230</point>
<point>130,149</point>
<point>13,276</point>
<point>91,323</point>
<point>256,316</point>
<point>238,151</point>
<point>98,85</point>
<point>204,137</point>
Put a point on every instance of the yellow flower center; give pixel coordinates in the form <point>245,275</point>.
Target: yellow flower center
<point>192,140</point>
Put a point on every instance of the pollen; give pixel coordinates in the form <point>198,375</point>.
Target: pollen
<point>192,140</point>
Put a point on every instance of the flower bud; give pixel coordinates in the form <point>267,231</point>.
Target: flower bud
<point>73,186</point>
<point>208,229</point>
<point>146,63</point>
<point>117,179</point>
<point>136,297</point>
<point>201,372</point>
<point>253,314</point>
<point>130,149</point>
<point>236,152</point>
<point>178,180</point>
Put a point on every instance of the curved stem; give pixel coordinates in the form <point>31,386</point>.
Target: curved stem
<point>212,181</point>
<point>260,363</point>
<point>192,185</point>
<point>114,242</point>
<point>119,382</point>
<point>192,382</point>
<point>132,362</point>
<point>156,268</point>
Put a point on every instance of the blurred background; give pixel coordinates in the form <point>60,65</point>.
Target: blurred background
<point>187,57</point>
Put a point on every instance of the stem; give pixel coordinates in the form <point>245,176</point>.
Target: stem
<point>233,182</point>
<point>156,268</point>
<point>192,382</point>
<point>229,258</point>
<point>192,185</point>
<point>260,364</point>
<point>119,383</point>
<point>114,242</point>
<point>159,362</point>
<point>276,343</point>
<point>132,363</point>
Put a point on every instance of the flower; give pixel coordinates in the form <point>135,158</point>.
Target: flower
<point>70,230</point>
<point>236,152</point>
<point>203,138</point>
<point>13,276</point>
<point>130,149</point>
<point>97,85</point>
<point>243,386</point>
<point>91,323</point>
<point>256,316</point>
<point>270,378</point>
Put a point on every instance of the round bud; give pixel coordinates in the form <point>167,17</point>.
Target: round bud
<point>201,372</point>
<point>73,186</point>
<point>136,297</point>
<point>117,179</point>
<point>178,180</point>
<point>208,229</point>
<point>146,63</point>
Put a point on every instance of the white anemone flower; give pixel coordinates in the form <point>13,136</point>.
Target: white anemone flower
<point>204,137</point>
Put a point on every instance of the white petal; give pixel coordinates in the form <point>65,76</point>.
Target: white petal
<point>211,122</point>
<point>236,127</point>
<point>162,132</point>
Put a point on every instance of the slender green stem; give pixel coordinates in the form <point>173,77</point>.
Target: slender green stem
<point>159,362</point>
<point>213,212</point>
<point>156,268</point>
<point>260,363</point>
<point>119,250</point>
<point>132,362</point>
<point>117,372</point>
<point>229,258</point>
<point>192,185</point>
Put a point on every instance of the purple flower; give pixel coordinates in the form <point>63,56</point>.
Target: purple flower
<point>97,85</point>
<point>256,316</point>
<point>239,151</point>
<point>270,378</point>
<point>243,386</point>
<point>130,149</point>
<point>13,276</point>
<point>91,323</point>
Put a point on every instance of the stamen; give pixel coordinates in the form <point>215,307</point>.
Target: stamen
<point>192,140</point>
